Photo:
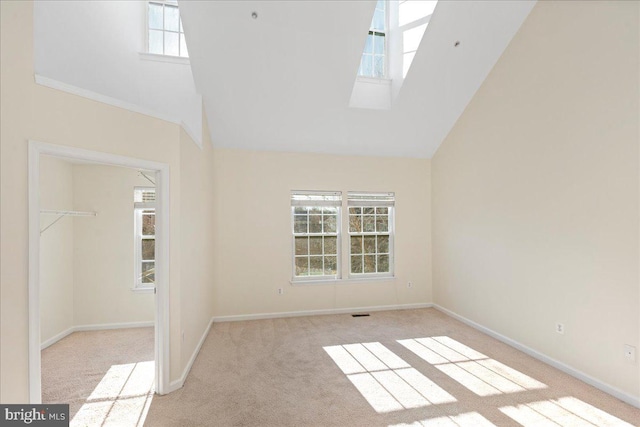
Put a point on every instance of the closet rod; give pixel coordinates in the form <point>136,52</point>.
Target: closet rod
<point>62,214</point>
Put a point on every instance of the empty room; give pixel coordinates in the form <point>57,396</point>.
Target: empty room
<point>320,213</point>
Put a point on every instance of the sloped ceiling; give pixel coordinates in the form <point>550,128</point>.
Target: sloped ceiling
<point>282,81</point>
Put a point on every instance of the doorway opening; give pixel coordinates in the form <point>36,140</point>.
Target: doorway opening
<point>91,305</point>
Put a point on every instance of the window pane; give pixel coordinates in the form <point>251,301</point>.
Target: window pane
<point>155,16</point>
<point>382,223</point>
<point>369,244</point>
<point>383,263</point>
<point>155,42</point>
<point>302,266</point>
<point>315,223</point>
<point>368,45</point>
<point>171,43</point>
<point>171,18</point>
<point>330,245</point>
<point>378,45</point>
<point>378,18</point>
<point>382,211</point>
<point>356,263</point>
<point>315,210</point>
<point>367,65</point>
<point>300,210</point>
<point>183,47</point>
<point>315,245</point>
<point>369,223</point>
<point>331,265</point>
<point>369,263</point>
<point>355,223</point>
<point>368,211</point>
<point>300,224</point>
<point>383,244</point>
<point>330,211</point>
<point>315,266</point>
<point>148,272</point>
<point>378,70</point>
<point>330,223</point>
<point>148,225</point>
<point>355,210</point>
<point>302,245</point>
<point>149,249</point>
<point>356,244</point>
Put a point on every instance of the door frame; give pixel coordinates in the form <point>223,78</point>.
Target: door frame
<point>161,170</point>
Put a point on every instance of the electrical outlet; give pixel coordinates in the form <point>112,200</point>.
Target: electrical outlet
<point>280,291</point>
<point>560,328</point>
<point>630,353</point>
<point>409,284</point>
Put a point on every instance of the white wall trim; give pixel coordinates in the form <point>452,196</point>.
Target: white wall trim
<point>114,102</point>
<point>349,310</point>
<point>162,306</point>
<point>175,385</point>
<point>97,327</point>
<point>625,397</point>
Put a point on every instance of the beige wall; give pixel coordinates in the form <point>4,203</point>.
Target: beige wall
<point>56,248</point>
<point>252,234</point>
<point>29,111</point>
<point>104,250</point>
<point>535,192</point>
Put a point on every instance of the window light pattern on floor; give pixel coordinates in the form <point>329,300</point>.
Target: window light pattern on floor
<point>386,381</point>
<point>468,419</point>
<point>564,412</point>
<point>122,398</point>
<point>474,370</point>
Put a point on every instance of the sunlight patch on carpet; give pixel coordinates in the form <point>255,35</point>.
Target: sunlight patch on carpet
<point>122,397</point>
<point>387,382</point>
<point>477,372</point>
<point>564,412</point>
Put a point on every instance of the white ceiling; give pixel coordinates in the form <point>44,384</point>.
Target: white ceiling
<point>283,81</point>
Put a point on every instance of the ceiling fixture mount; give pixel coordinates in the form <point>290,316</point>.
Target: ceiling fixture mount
<point>254,15</point>
<point>457,43</point>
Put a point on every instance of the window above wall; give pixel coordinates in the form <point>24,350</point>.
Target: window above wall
<point>165,35</point>
<point>374,57</point>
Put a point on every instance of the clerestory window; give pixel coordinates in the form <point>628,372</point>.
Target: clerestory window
<point>374,58</point>
<point>165,35</point>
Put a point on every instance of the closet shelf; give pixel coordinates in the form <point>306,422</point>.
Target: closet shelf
<point>62,214</point>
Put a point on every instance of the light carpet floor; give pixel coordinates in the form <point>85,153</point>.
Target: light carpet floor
<point>414,367</point>
<point>102,375</point>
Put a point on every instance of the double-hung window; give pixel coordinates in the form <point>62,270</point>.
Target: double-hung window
<point>373,62</point>
<point>145,237</point>
<point>370,234</point>
<point>316,234</point>
<point>165,35</point>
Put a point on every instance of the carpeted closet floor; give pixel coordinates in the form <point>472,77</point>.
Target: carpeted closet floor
<point>106,377</point>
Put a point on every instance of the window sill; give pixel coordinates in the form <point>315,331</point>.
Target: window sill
<point>374,80</point>
<point>165,58</point>
<point>145,290</point>
<point>342,281</point>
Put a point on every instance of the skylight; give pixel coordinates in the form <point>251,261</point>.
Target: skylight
<point>373,62</point>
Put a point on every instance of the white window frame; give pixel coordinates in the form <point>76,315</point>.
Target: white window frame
<point>363,199</point>
<point>148,53</point>
<point>138,209</point>
<point>385,54</point>
<point>314,199</point>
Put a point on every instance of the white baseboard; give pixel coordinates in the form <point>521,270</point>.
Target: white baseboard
<point>260,316</point>
<point>96,327</point>
<point>54,339</point>
<point>625,397</point>
<point>175,385</point>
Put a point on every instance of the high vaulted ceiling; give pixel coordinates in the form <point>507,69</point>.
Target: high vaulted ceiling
<point>283,81</point>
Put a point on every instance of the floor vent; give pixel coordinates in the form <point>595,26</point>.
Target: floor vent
<point>360,315</point>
